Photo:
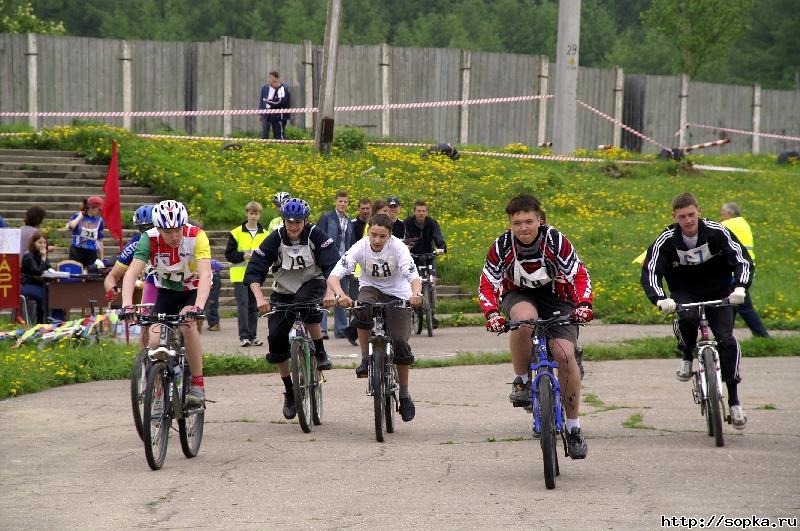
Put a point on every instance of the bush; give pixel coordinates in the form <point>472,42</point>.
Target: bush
<point>350,139</point>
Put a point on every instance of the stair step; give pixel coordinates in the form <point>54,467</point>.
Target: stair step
<point>48,167</point>
<point>60,188</point>
<point>37,153</point>
<point>69,198</point>
<point>34,160</point>
<point>37,174</point>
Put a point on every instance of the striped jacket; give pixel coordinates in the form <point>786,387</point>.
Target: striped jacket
<point>704,271</point>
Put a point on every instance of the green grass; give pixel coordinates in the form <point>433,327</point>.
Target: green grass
<point>610,220</point>
<point>635,422</point>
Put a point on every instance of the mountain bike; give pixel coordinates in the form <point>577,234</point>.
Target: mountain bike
<point>382,383</point>
<point>141,362</point>
<point>547,408</point>
<point>424,313</point>
<point>168,381</point>
<point>307,380</point>
<point>707,389</point>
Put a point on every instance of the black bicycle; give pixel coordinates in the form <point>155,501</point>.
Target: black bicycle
<point>168,380</point>
<point>707,388</point>
<point>307,380</point>
<point>425,312</point>
<point>141,363</point>
<point>382,383</point>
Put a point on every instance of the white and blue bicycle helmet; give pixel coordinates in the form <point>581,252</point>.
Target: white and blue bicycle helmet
<point>170,214</point>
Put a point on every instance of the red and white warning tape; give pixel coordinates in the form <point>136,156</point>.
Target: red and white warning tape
<point>741,132</point>
<point>224,139</point>
<point>622,125</point>
<point>559,158</point>
<point>707,144</point>
<point>240,112</point>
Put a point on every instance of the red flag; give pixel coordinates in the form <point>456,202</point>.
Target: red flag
<point>112,203</point>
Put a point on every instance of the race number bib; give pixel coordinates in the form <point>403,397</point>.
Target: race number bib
<point>296,257</point>
<point>89,233</point>
<point>695,256</point>
<point>165,270</point>
<point>524,279</point>
<point>380,268</point>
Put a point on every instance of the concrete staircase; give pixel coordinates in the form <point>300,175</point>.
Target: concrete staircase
<point>59,180</point>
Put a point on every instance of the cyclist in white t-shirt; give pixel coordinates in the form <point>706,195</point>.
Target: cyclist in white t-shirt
<point>387,273</point>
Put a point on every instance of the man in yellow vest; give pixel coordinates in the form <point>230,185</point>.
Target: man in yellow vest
<point>733,220</point>
<point>242,241</point>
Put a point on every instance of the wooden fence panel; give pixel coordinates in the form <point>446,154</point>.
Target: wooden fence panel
<point>358,82</point>
<point>780,114</point>
<point>595,88</point>
<point>497,75</point>
<point>209,86</point>
<point>723,106</point>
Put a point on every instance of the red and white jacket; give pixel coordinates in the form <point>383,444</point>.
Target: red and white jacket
<point>550,262</point>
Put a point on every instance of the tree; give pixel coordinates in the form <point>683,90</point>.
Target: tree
<point>24,20</point>
<point>700,30</point>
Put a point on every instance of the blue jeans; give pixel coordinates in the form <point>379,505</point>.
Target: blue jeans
<point>212,305</point>
<point>339,315</point>
<point>38,294</point>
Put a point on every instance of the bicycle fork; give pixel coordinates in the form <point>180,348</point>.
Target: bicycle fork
<point>701,395</point>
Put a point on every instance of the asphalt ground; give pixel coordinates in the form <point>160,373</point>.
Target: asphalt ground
<point>70,457</point>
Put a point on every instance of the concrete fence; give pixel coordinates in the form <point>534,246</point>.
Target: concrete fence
<point>53,73</point>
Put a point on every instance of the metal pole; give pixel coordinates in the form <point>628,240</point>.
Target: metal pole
<point>308,81</point>
<point>684,101</point>
<point>33,80</point>
<point>543,76</point>
<point>619,85</point>
<point>127,86</point>
<point>386,113</point>
<point>227,82</point>
<point>567,60</point>
<point>756,118</point>
<point>466,59</point>
<point>323,134</point>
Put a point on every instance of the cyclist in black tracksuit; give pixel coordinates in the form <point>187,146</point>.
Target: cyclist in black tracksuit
<point>700,260</point>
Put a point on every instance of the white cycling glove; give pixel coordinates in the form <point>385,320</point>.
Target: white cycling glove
<point>666,305</point>
<point>737,296</point>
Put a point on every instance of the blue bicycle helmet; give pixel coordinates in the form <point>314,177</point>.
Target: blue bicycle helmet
<point>143,215</point>
<point>295,209</point>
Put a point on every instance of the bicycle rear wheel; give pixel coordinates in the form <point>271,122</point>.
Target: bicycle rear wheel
<point>427,307</point>
<point>416,320</point>
<point>378,388</point>
<point>300,385</point>
<point>190,426</point>
<point>714,399</point>
<point>157,417</point>
<point>316,396</point>
<point>138,384</point>
<point>547,439</point>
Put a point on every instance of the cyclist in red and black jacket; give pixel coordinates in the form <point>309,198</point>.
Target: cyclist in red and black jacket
<point>700,260</point>
<point>535,271</point>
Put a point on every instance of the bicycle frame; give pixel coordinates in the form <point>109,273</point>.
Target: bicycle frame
<point>380,336</point>
<point>298,333</point>
<point>705,343</point>
<point>172,357</point>
<point>538,361</point>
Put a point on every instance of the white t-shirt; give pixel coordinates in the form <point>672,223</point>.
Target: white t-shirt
<point>390,270</point>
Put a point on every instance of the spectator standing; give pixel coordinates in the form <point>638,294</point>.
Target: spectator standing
<point>212,304</point>
<point>733,220</point>
<point>87,232</point>
<point>423,233</point>
<point>337,226</point>
<point>360,221</point>
<point>242,241</point>
<point>274,95</point>
<point>34,264</point>
<point>3,223</point>
<point>34,217</point>
<point>398,229</point>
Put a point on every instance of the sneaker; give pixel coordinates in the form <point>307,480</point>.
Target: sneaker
<point>407,409</point>
<point>579,359</point>
<point>685,372</point>
<point>520,393</point>
<point>738,417</point>
<point>244,342</point>
<point>363,369</point>
<point>214,328</point>
<point>576,446</point>
<point>256,342</point>
<point>196,397</point>
<point>289,410</point>
<point>323,361</point>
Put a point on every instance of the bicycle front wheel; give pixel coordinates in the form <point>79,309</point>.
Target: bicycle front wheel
<point>190,425</point>
<point>300,385</point>
<point>378,388</point>
<point>316,396</point>
<point>427,307</point>
<point>547,438</point>
<point>390,373</point>
<point>157,417</point>
<point>416,320</point>
<point>714,398</point>
<point>138,384</point>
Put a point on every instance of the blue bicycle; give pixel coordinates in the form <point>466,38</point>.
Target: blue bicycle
<point>547,408</point>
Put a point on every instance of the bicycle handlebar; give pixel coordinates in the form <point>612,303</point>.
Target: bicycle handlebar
<point>170,320</point>
<point>712,304</point>
<point>539,323</point>
<point>294,306</point>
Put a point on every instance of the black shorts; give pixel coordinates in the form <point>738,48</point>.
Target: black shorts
<point>546,304</point>
<point>171,302</point>
<point>279,324</point>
